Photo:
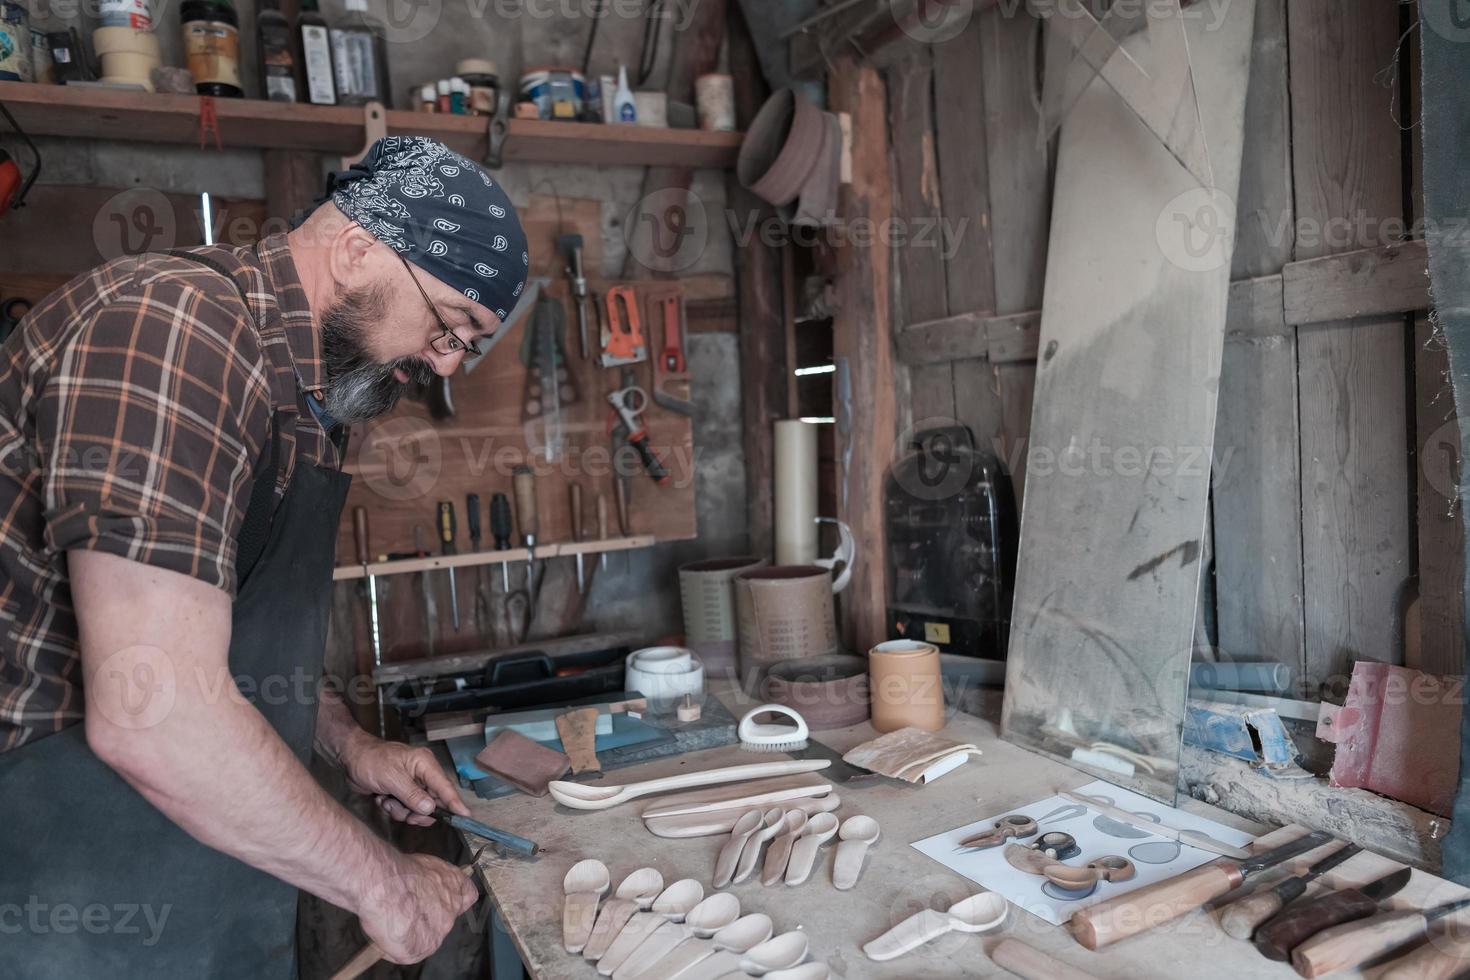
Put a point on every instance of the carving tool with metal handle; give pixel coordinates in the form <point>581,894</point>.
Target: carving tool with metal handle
<point>446,546</point>
<point>622,332</point>
<point>360,540</point>
<point>372,953</point>
<point>523,484</point>
<point>629,404</point>
<point>1240,917</point>
<point>1107,922</point>
<point>576,502</point>
<point>512,843</point>
<point>570,246</point>
<point>1278,936</point>
<point>670,370</point>
<point>1193,838</point>
<point>500,531</point>
<point>1355,943</point>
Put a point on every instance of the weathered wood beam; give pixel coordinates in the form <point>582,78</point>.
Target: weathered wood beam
<point>862,344</point>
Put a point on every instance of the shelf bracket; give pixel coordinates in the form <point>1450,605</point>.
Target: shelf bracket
<point>374,128</point>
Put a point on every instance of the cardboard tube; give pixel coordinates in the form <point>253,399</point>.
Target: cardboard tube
<point>796,493</point>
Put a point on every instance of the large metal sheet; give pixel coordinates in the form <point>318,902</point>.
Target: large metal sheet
<point>1123,425</point>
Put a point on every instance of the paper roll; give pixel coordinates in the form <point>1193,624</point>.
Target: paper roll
<point>796,493</point>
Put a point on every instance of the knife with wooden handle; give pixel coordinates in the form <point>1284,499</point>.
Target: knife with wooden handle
<point>1240,918</point>
<point>1278,936</point>
<point>1354,943</point>
<point>1146,908</point>
<point>1442,958</point>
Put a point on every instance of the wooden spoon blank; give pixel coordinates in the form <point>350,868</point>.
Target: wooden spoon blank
<point>859,833</point>
<point>779,853</point>
<point>639,927</point>
<point>610,921</point>
<point>651,950</point>
<point>819,831</point>
<point>584,796</point>
<point>746,795</point>
<point>584,884</point>
<point>750,822</point>
<point>715,822</point>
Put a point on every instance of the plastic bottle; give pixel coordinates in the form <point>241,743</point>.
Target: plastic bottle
<point>361,58</point>
<point>623,101</point>
<point>212,47</point>
<point>458,92</point>
<point>275,53</point>
<point>441,87</point>
<point>320,85</point>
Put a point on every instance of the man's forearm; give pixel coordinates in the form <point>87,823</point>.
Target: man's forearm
<point>337,732</point>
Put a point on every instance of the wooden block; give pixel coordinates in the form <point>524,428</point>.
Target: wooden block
<point>578,731</point>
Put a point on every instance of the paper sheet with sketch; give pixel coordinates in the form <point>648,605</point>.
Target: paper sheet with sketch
<point>1155,857</point>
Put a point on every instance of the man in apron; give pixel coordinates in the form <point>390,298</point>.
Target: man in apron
<point>171,433</point>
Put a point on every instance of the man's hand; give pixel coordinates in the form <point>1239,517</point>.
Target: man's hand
<point>407,782</point>
<point>409,914</point>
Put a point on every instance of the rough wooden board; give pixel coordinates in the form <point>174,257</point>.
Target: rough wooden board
<point>961,149</point>
<point>1011,337</point>
<point>1264,229</point>
<point>1355,518</point>
<point>1441,524</point>
<point>863,348</point>
<point>1016,384</point>
<point>977,403</point>
<point>1365,282</point>
<point>1131,341</point>
<point>932,395</point>
<point>1257,498</point>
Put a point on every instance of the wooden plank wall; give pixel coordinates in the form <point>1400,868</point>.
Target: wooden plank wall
<point>1333,498</point>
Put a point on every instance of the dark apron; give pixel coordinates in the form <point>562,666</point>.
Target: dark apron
<point>96,882</point>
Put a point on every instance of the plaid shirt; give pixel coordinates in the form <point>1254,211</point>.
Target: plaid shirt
<point>135,402</point>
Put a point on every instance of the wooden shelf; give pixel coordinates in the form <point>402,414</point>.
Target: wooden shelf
<point>554,549</point>
<point>100,113</point>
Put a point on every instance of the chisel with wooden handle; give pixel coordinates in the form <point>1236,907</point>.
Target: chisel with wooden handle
<point>1240,917</point>
<point>1107,922</point>
<point>1442,958</point>
<point>1278,936</point>
<point>1353,943</point>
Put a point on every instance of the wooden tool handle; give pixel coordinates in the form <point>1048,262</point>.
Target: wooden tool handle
<point>360,533</point>
<point>1107,922</point>
<point>1240,918</point>
<point>360,963</point>
<point>1278,937</point>
<point>1353,943</point>
<point>523,485</point>
<point>601,517</point>
<point>1030,963</point>
<point>1442,958</point>
<point>576,492</point>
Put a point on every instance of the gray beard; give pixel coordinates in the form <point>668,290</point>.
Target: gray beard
<point>359,388</point>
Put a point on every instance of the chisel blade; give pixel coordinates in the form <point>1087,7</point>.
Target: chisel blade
<point>1387,886</point>
<point>1285,852</point>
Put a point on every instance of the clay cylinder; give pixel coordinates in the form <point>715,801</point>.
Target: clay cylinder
<point>707,596</point>
<point>783,613</point>
<point>903,683</point>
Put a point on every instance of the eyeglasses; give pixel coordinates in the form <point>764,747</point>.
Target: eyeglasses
<point>448,342</point>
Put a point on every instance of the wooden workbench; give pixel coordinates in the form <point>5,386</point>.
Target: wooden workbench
<point>896,882</point>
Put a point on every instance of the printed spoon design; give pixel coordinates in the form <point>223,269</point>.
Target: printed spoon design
<point>775,819</point>
<point>779,853</point>
<point>819,830</point>
<point>857,835</point>
<point>750,821</point>
<point>977,913</point>
<point>584,885</point>
<point>637,892</point>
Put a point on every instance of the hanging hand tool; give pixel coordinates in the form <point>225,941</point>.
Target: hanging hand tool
<point>629,404</point>
<point>446,546</point>
<point>602,529</point>
<point>620,488</point>
<point>1152,905</point>
<point>549,384</point>
<point>523,484</point>
<point>426,590</point>
<point>670,370</point>
<point>482,595</point>
<point>500,532</point>
<point>360,539</point>
<point>1355,943</point>
<point>571,247</point>
<point>622,333</point>
<point>576,495</point>
<point>1240,917</point>
<point>1279,935</point>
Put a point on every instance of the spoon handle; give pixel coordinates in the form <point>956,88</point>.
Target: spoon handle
<point>803,856</point>
<point>848,864</point>
<point>683,956</point>
<point>651,950</point>
<point>778,857</point>
<point>729,855</point>
<point>749,856</point>
<point>710,777</point>
<point>610,921</point>
<point>911,933</point>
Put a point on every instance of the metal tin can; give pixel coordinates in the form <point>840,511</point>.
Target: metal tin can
<point>558,92</point>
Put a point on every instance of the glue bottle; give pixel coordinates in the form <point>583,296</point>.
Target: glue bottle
<point>623,101</point>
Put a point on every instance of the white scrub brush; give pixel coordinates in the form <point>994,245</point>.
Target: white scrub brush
<point>756,737</point>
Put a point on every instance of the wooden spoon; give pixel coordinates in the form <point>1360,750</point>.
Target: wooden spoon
<point>584,885</point>
<point>779,853</point>
<point>704,920</point>
<point>819,830</point>
<point>678,899</point>
<point>737,937</point>
<point>815,970</point>
<point>581,796</point>
<point>636,892</point>
<point>722,821</point>
<point>775,819</point>
<point>750,821</point>
<point>977,913</point>
<point>780,953</point>
<point>671,906</point>
<point>857,835</point>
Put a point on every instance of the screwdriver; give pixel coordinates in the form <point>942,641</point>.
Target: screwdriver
<point>446,542</point>
<point>602,528</point>
<point>500,531</point>
<point>576,491</point>
<point>472,512</point>
<point>523,484</point>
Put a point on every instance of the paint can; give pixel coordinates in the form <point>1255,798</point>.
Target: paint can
<point>783,613</point>
<point>714,94</point>
<point>557,92</point>
<point>707,598</point>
